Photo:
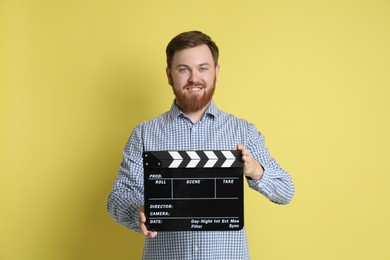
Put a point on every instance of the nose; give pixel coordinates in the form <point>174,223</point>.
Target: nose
<point>193,77</point>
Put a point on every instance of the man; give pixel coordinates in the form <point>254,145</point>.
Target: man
<point>194,123</point>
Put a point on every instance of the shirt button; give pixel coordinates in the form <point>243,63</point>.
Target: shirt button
<point>196,248</point>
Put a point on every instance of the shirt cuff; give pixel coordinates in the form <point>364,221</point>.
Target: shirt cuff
<point>259,184</point>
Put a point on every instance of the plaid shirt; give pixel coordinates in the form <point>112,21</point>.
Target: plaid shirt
<point>172,130</point>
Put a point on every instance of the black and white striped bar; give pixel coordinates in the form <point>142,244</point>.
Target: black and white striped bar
<point>192,159</point>
<point>193,190</point>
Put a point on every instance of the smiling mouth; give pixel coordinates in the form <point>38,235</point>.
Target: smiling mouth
<point>194,89</point>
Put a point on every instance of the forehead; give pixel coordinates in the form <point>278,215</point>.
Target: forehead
<point>193,56</point>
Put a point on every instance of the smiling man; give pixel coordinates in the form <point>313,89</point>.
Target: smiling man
<point>194,123</point>
<point>193,76</point>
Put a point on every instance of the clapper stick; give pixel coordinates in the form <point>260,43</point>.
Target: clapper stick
<point>193,190</point>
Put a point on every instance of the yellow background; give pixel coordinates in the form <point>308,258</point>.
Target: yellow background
<point>77,76</point>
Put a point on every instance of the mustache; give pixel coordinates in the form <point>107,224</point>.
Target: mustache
<point>195,84</point>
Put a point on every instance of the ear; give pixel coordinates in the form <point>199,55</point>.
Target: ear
<point>217,72</point>
<point>169,76</point>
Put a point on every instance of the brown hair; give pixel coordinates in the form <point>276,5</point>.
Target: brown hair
<point>189,40</point>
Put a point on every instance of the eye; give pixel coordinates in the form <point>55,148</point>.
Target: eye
<point>183,70</point>
<point>203,69</point>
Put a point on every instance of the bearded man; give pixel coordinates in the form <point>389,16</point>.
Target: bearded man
<point>194,123</point>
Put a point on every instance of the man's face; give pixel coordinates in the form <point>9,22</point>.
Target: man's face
<point>193,77</point>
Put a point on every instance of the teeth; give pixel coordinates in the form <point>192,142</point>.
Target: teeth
<point>194,89</point>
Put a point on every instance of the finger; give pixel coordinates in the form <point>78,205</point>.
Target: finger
<point>152,234</point>
<point>246,160</point>
<point>146,232</point>
<point>143,228</point>
<point>240,147</point>
<point>246,157</point>
<point>244,151</point>
<point>142,217</point>
<point>142,220</point>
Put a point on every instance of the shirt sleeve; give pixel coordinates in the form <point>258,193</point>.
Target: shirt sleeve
<point>276,184</point>
<point>127,195</point>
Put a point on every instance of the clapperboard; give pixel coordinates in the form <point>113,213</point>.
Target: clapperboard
<point>193,190</point>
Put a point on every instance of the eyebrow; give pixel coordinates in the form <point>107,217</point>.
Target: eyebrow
<point>200,65</point>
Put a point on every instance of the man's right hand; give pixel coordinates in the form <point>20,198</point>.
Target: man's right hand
<point>142,226</point>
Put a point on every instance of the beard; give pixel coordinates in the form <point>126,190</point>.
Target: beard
<point>193,103</point>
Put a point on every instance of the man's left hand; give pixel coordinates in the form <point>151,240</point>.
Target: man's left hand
<point>252,168</point>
